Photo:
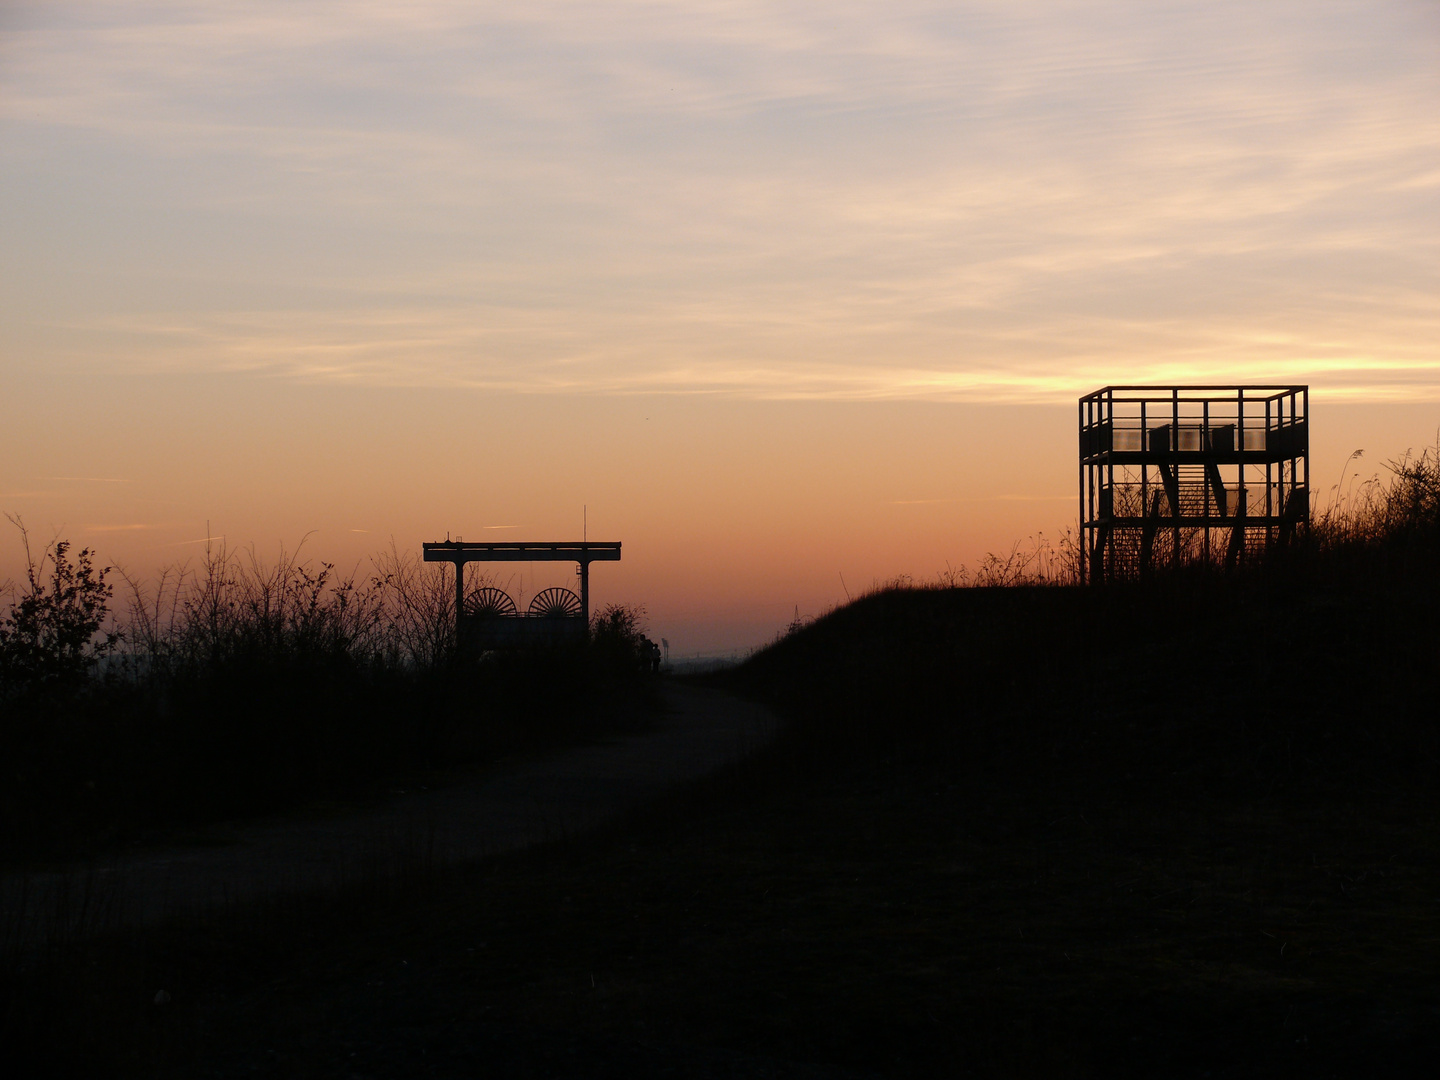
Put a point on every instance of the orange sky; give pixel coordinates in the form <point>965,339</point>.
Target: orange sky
<point>780,292</point>
<point>732,512</point>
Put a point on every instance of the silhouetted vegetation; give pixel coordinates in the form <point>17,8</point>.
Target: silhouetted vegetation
<point>240,687</point>
<point>52,636</point>
<point>1175,828</point>
<point>618,641</point>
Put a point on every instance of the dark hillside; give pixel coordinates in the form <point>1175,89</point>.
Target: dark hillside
<point>1188,826</point>
<point>1310,676</point>
<point>1200,688</point>
<point>992,844</point>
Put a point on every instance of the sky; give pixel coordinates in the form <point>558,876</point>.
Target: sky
<point>788,298</point>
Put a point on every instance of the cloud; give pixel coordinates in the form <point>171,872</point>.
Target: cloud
<point>90,479</point>
<point>985,498</point>
<point>526,352</point>
<point>953,201</point>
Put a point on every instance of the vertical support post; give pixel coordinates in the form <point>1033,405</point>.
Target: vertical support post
<point>1147,511</point>
<point>585,592</point>
<point>1242,495</point>
<point>1280,496</point>
<point>1208,448</point>
<point>1270,425</point>
<point>1084,525</point>
<point>1175,449</point>
<point>1304,452</point>
<point>1107,564</point>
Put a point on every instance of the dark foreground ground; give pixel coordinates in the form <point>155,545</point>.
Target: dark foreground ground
<point>1182,831</point>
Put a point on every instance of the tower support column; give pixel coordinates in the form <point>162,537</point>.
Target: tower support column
<point>585,592</point>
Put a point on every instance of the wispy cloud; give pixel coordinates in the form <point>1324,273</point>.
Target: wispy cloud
<point>89,479</point>
<point>967,201</point>
<point>984,498</point>
<point>691,351</point>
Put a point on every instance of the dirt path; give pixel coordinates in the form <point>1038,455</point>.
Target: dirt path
<point>508,807</point>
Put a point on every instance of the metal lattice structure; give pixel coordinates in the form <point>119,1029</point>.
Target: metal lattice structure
<point>1172,474</point>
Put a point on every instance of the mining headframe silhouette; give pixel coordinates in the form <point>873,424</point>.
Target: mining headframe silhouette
<point>488,618</point>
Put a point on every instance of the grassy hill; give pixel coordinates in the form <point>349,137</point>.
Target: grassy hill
<point>1178,828</point>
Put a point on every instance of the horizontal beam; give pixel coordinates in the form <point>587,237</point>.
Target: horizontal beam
<point>1250,521</point>
<point>1166,393</point>
<point>583,552</point>
<point>1194,457</point>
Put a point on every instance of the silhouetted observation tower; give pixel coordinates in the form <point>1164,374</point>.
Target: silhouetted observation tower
<point>1173,474</point>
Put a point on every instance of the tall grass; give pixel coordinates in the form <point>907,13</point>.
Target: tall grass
<point>1035,561</point>
<point>234,607</point>
<point>241,685</point>
<point>1386,526</point>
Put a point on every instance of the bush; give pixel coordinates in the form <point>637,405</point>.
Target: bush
<point>618,641</point>
<point>52,635</point>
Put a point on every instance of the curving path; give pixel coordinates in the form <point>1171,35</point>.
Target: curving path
<point>505,808</point>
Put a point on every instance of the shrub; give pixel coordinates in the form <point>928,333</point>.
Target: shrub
<point>53,633</point>
<point>618,641</point>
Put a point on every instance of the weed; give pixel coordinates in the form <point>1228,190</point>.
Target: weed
<point>240,686</point>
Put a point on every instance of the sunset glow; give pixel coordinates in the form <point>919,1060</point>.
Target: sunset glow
<point>793,298</point>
